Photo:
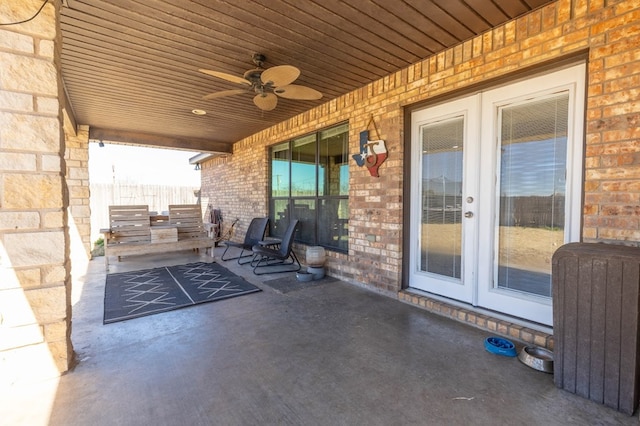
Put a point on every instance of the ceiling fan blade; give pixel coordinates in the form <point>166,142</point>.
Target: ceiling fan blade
<point>229,77</point>
<point>266,102</point>
<point>280,75</point>
<point>224,93</point>
<point>294,91</point>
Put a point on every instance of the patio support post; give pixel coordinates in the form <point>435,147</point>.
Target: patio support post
<point>35,301</point>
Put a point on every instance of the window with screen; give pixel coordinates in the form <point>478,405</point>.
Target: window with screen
<point>310,182</point>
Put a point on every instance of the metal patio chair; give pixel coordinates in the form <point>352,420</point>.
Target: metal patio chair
<point>255,233</point>
<point>270,260</point>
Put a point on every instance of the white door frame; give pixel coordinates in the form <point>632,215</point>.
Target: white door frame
<point>571,80</point>
<point>476,286</point>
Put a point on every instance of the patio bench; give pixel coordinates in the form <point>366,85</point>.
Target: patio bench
<point>131,231</point>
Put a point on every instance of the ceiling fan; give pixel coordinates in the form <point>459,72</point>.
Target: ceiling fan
<point>268,84</point>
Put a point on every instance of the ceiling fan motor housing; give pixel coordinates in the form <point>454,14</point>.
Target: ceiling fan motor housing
<point>254,75</point>
<point>266,83</point>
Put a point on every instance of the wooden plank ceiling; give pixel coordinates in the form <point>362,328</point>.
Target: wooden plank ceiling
<point>130,67</point>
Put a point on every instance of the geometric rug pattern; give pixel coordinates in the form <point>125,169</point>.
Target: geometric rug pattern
<point>138,293</point>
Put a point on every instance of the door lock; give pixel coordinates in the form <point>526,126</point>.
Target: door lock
<point>468,214</point>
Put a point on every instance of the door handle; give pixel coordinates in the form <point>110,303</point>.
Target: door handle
<point>468,214</point>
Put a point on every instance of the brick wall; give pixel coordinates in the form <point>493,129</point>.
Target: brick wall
<point>608,33</point>
<point>34,242</point>
<point>612,166</point>
<point>76,157</point>
<point>237,184</point>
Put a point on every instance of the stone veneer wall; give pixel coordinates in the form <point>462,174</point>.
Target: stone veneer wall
<point>606,32</point>
<point>34,241</point>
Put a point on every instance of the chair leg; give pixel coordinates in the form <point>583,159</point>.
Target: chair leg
<point>279,262</point>
<point>251,255</point>
<point>295,258</point>
<point>225,252</point>
<point>241,256</point>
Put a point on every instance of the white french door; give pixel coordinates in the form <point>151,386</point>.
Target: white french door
<point>445,188</point>
<point>496,189</point>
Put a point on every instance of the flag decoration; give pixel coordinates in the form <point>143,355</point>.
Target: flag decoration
<point>372,153</point>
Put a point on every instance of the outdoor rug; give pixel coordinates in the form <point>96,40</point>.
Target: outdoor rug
<point>290,283</point>
<point>138,293</point>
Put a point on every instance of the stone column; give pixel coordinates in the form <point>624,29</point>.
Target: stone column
<point>35,310</point>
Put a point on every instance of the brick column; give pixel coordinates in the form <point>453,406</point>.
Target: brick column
<point>35,311</point>
<point>77,160</point>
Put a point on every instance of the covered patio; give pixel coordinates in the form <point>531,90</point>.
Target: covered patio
<point>76,72</point>
<point>327,354</point>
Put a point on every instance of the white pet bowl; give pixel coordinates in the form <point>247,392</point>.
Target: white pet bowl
<point>318,273</point>
<point>304,276</point>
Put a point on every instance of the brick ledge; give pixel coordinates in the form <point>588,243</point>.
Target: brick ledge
<point>501,327</point>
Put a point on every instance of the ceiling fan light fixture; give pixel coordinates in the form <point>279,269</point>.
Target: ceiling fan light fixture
<point>265,101</point>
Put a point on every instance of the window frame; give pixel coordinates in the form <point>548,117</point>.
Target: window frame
<point>278,204</point>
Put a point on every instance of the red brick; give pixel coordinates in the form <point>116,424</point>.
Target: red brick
<point>610,35</point>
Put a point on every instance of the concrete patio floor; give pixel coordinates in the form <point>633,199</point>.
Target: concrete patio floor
<point>333,354</point>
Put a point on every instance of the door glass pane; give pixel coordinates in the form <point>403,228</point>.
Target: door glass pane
<point>532,192</point>
<point>441,236</point>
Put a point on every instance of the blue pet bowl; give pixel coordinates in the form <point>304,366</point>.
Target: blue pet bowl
<point>499,346</point>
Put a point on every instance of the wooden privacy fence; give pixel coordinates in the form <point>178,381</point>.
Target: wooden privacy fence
<point>157,197</point>
<point>533,212</point>
<point>529,211</point>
